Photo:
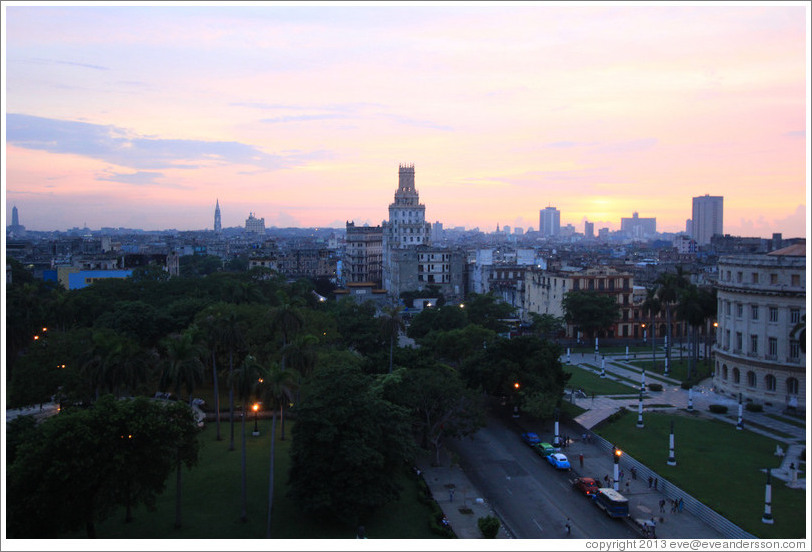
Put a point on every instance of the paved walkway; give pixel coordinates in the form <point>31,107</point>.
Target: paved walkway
<point>673,397</point>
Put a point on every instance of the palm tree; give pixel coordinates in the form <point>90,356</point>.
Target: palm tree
<point>212,334</point>
<point>286,317</point>
<point>299,356</point>
<point>245,379</point>
<point>653,307</point>
<point>276,390</point>
<point>696,305</point>
<point>232,338</point>
<point>391,326</point>
<point>669,286</point>
<point>182,365</point>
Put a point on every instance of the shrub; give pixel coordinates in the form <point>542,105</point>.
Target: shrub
<point>489,526</point>
<point>655,387</point>
<point>753,407</point>
<point>718,408</point>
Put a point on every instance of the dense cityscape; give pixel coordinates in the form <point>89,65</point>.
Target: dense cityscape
<point>479,275</point>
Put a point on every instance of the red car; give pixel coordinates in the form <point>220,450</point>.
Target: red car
<point>586,485</point>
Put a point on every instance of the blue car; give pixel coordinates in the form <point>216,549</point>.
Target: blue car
<point>559,461</point>
<point>531,439</point>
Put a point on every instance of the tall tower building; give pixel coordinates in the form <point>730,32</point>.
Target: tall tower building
<point>549,222</point>
<point>589,229</point>
<point>15,217</point>
<point>407,224</point>
<point>706,218</point>
<point>217,224</point>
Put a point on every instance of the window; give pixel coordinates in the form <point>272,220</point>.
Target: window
<point>773,346</point>
<point>739,310</point>
<point>751,379</point>
<point>769,382</point>
<point>727,308</point>
<point>796,280</point>
<point>724,371</point>
<point>754,312</point>
<point>738,341</point>
<point>755,277</point>
<point>792,386</point>
<point>739,277</point>
<point>773,314</point>
<point>754,344</point>
<point>773,279</point>
<point>727,339</point>
<point>736,375</point>
<point>794,349</point>
<point>794,316</point>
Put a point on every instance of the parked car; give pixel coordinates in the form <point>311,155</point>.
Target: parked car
<point>586,485</point>
<point>559,461</point>
<point>545,449</point>
<point>531,438</point>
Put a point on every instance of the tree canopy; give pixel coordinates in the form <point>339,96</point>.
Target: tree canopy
<point>590,312</point>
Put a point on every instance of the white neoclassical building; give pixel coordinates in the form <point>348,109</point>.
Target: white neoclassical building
<point>760,299</point>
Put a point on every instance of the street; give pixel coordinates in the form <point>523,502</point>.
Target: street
<point>532,498</point>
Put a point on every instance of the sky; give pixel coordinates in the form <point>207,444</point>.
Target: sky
<point>144,115</point>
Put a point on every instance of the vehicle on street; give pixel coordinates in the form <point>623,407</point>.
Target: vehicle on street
<point>612,502</point>
<point>559,461</point>
<point>545,449</point>
<point>586,485</point>
<point>531,438</point>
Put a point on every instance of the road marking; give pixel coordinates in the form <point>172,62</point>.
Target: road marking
<point>537,524</point>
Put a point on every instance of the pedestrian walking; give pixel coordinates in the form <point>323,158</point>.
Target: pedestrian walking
<point>650,481</point>
<point>680,504</point>
<point>673,505</point>
<point>568,527</point>
<point>451,494</point>
<point>628,487</point>
<point>607,479</point>
<point>581,459</point>
<point>583,438</point>
<point>634,473</point>
<point>621,474</point>
<point>656,480</point>
<point>662,505</point>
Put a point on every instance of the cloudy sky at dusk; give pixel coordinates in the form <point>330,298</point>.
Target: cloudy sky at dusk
<point>143,116</point>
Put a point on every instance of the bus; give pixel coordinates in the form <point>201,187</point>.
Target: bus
<point>612,502</point>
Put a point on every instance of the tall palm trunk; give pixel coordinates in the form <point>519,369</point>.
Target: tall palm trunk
<point>178,464</point>
<point>244,513</point>
<point>231,395</point>
<point>282,417</point>
<point>270,477</point>
<point>216,393</point>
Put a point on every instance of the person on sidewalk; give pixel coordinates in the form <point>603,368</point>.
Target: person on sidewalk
<point>451,494</point>
<point>568,527</point>
<point>662,505</point>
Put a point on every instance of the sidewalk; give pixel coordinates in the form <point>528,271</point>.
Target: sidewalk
<point>465,506</point>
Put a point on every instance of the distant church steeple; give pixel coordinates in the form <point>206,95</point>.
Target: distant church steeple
<point>217,224</point>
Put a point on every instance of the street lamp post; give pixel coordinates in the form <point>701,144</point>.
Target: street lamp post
<point>768,507</point>
<point>672,460</point>
<point>690,398</point>
<point>255,408</point>
<point>603,366</point>
<point>666,355</point>
<point>556,439</point>
<point>616,452</point>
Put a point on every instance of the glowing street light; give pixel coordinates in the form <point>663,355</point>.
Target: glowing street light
<point>255,408</point>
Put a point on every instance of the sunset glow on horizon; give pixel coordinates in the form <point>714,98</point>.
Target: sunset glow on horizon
<point>143,116</point>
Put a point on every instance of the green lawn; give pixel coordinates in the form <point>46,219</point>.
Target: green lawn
<point>677,369</point>
<point>211,500</point>
<point>718,465</point>
<point>591,383</point>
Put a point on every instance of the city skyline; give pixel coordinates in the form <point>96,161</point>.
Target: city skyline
<point>143,116</point>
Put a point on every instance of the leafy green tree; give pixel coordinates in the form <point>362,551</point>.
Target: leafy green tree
<point>391,326</point>
<point>348,445</point>
<point>435,319</point>
<point>590,312</point>
<point>182,364</point>
<point>488,311</point>
<point>357,325</point>
<point>546,325</point>
<point>150,273</point>
<point>82,464</point>
<point>441,406</point>
<point>454,347</point>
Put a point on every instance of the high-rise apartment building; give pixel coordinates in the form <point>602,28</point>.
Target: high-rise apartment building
<point>638,228</point>
<point>549,222</point>
<point>589,229</point>
<point>218,227</point>
<point>706,218</point>
<point>362,260</point>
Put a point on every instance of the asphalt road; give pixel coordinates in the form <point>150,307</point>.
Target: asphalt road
<point>529,495</point>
